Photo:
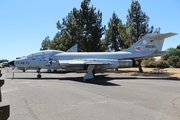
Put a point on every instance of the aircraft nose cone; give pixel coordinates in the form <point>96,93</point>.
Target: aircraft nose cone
<point>11,63</point>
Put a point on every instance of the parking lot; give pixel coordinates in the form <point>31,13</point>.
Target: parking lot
<point>111,96</point>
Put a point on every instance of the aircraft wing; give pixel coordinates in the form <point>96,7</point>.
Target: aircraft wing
<point>88,62</point>
<point>81,64</point>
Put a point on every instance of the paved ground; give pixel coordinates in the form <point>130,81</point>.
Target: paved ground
<point>109,97</point>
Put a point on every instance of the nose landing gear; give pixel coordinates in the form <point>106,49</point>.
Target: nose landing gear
<point>39,74</point>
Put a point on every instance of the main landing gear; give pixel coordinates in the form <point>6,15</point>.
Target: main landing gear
<point>24,69</point>
<point>39,73</point>
<point>90,73</point>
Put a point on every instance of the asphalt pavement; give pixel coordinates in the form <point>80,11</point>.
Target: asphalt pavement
<point>111,96</point>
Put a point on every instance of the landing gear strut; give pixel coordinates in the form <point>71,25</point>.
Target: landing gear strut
<point>90,73</point>
<point>93,72</point>
<point>39,73</point>
<point>24,69</point>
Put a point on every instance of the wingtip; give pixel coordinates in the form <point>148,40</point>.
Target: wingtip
<point>173,33</point>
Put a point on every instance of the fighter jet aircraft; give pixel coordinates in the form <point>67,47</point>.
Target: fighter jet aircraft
<point>149,45</point>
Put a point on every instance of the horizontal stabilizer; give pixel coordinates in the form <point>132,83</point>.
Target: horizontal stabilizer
<point>161,36</point>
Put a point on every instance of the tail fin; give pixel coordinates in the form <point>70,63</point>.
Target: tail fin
<point>151,42</point>
<point>73,48</point>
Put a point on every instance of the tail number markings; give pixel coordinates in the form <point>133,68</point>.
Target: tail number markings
<point>150,46</point>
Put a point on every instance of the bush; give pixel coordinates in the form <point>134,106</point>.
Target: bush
<point>158,64</point>
<point>151,64</point>
<point>162,64</point>
<point>177,65</point>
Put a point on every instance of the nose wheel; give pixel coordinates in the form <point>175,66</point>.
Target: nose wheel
<point>39,74</point>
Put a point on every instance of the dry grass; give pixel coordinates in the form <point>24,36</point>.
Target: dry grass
<point>167,72</point>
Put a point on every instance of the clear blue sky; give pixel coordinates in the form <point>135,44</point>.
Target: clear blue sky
<point>25,23</point>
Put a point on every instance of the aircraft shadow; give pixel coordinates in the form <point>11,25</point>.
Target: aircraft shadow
<point>103,80</point>
<point>98,80</point>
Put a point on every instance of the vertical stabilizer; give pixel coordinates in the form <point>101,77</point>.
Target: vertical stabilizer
<point>73,48</point>
<point>151,42</point>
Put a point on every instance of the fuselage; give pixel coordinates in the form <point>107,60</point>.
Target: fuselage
<point>50,59</point>
<point>100,55</point>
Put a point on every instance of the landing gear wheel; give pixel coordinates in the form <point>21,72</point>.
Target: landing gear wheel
<point>38,76</point>
<point>88,80</point>
<point>93,72</point>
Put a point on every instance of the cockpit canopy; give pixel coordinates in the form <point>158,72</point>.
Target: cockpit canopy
<point>45,52</point>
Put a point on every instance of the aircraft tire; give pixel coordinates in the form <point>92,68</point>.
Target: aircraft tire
<point>93,72</point>
<point>38,76</point>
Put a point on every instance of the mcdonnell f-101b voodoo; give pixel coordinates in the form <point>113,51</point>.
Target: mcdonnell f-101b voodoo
<point>149,45</point>
<point>25,67</point>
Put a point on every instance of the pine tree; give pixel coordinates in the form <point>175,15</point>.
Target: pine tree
<point>45,45</point>
<point>125,36</point>
<point>67,33</point>
<point>112,35</point>
<point>90,22</point>
<point>138,21</point>
<point>178,47</point>
<point>83,26</point>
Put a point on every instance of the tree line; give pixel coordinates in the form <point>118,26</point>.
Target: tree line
<point>84,27</point>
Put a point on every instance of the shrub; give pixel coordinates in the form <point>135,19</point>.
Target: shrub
<point>177,65</point>
<point>162,64</point>
<point>151,64</point>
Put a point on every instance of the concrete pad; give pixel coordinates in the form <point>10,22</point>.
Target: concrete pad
<point>109,97</point>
